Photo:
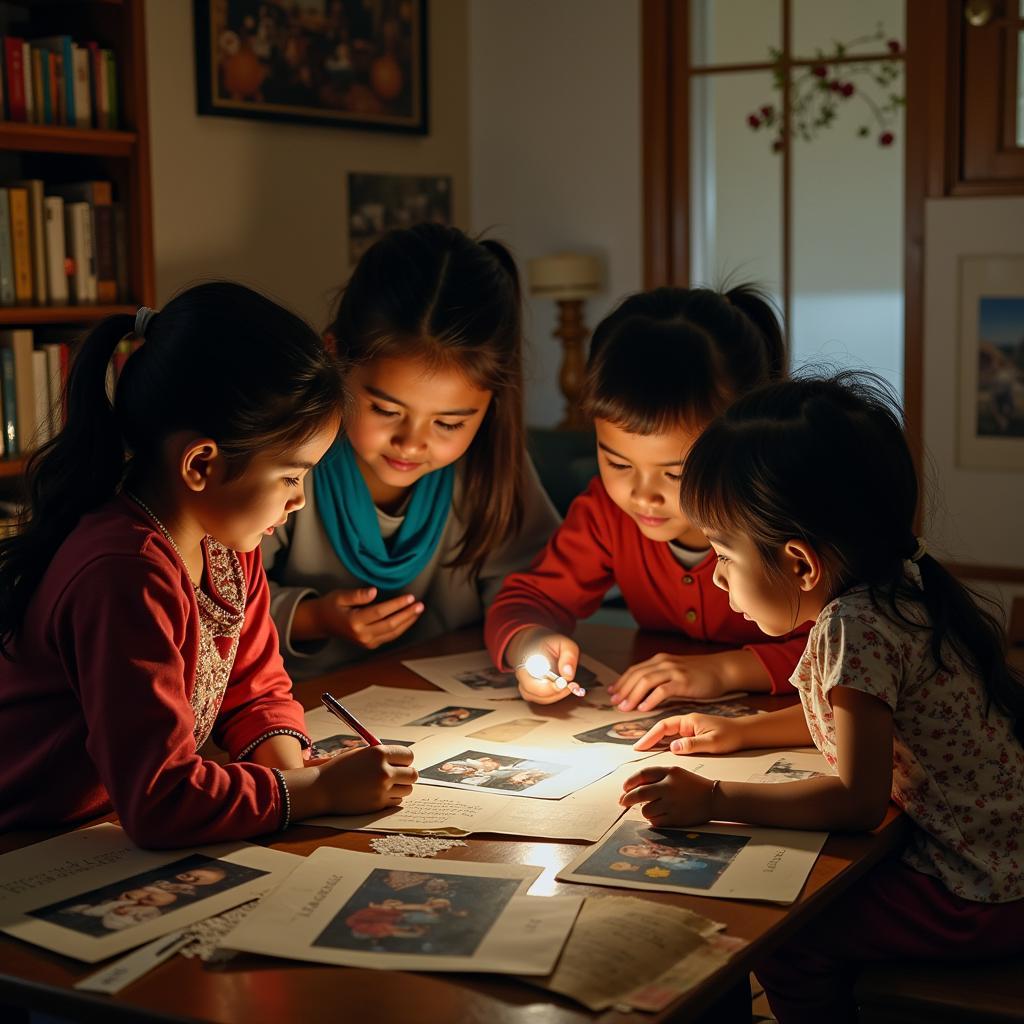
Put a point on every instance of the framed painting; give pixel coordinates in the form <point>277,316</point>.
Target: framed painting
<point>345,63</point>
<point>991,413</point>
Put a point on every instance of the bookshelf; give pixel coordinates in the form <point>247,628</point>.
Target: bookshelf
<point>58,154</point>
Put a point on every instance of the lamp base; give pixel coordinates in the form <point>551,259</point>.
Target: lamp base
<point>573,333</point>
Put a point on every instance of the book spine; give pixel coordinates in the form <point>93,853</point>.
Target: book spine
<point>56,100</point>
<point>55,361</point>
<point>83,102</point>
<point>89,248</point>
<point>62,88</point>
<point>68,54</point>
<point>41,394</point>
<point>21,246</point>
<point>121,250</point>
<point>56,251</point>
<point>38,86</point>
<point>15,78</point>
<point>37,234</point>
<point>19,342</point>
<point>4,116</point>
<point>6,251</point>
<point>113,100</point>
<point>95,84</point>
<point>77,255</point>
<point>10,424</point>
<point>26,70</point>
<point>103,237</point>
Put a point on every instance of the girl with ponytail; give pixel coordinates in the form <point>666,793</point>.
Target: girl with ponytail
<point>428,499</point>
<point>134,617</point>
<point>808,493</point>
<point>661,366</point>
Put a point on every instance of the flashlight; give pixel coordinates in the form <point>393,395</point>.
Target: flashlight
<point>540,668</point>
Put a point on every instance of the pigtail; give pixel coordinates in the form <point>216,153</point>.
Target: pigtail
<point>70,475</point>
<point>759,310</point>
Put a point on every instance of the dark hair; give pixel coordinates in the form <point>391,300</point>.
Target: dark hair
<point>220,360</point>
<point>826,461</point>
<point>676,357</point>
<point>431,292</point>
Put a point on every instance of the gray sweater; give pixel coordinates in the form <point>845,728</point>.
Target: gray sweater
<point>301,563</point>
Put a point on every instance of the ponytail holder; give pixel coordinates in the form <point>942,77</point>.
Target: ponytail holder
<point>920,550</point>
<point>142,318</point>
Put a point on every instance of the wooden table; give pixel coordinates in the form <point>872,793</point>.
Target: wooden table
<point>253,989</point>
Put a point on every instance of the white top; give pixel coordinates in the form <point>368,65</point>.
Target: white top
<point>958,772</point>
<point>301,563</point>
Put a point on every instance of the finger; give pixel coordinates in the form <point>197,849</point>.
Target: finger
<point>640,795</point>
<point>655,810</point>
<point>658,733</point>
<point>640,688</point>
<point>396,755</point>
<point>355,598</point>
<point>643,777</point>
<point>400,791</point>
<point>705,741</point>
<point>402,776</point>
<point>657,696</point>
<point>396,625</point>
<point>567,657</point>
<point>379,612</point>
<point>539,691</point>
<point>628,679</point>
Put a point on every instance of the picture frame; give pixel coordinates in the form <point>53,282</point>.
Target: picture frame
<point>344,63</point>
<point>990,432</point>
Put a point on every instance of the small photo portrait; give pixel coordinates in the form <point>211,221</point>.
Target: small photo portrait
<point>349,741</point>
<point>624,733</point>
<point>146,896</point>
<point>449,717</point>
<point>493,771</point>
<point>432,914</point>
<point>726,710</point>
<point>689,859</point>
<point>783,771</point>
<point>487,679</point>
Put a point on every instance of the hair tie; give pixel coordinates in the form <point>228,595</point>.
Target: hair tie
<point>920,550</point>
<point>142,319</point>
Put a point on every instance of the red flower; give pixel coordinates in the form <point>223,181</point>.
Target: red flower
<point>894,46</point>
<point>767,110</point>
<point>847,89</point>
<point>835,85</point>
<point>754,121</point>
<point>886,139</point>
<point>819,71</point>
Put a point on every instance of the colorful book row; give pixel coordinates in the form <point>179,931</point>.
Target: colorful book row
<point>57,81</point>
<point>62,244</point>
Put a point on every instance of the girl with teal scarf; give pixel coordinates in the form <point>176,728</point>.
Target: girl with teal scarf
<point>429,482</point>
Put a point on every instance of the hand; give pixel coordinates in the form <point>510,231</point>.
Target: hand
<point>649,683</point>
<point>670,796</point>
<point>367,779</point>
<point>349,614</point>
<point>563,653</point>
<point>697,734</point>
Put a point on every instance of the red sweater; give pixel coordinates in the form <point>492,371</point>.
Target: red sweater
<point>94,707</point>
<point>597,546</point>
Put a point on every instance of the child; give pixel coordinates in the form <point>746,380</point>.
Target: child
<point>660,367</point>
<point>133,605</point>
<point>807,491</point>
<point>419,511</point>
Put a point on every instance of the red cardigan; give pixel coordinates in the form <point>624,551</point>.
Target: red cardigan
<point>597,546</point>
<point>94,707</point>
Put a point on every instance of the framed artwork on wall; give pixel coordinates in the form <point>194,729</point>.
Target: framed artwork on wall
<point>991,413</point>
<point>345,63</point>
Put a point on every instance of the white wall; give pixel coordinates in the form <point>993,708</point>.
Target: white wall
<point>976,515</point>
<point>265,203</point>
<point>555,151</point>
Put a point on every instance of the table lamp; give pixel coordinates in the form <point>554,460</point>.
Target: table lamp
<point>569,278</point>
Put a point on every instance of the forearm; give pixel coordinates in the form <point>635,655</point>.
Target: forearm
<point>741,670</point>
<point>785,728</point>
<point>307,623</point>
<point>826,804</point>
<point>306,797</point>
<point>278,752</point>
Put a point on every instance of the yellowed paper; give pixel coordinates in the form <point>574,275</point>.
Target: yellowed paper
<point>92,894</point>
<point>404,913</point>
<point>620,944</point>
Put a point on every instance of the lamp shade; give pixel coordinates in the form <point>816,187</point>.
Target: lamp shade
<point>566,275</point>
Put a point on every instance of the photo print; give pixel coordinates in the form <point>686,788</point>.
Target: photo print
<point>450,717</point>
<point>349,741</point>
<point>428,914</point>
<point>783,770</point>
<point>142,898</point>
<point>499,772</point>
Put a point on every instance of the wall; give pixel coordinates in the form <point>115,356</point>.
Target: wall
<point>265,203</point>
<point>555,151</point>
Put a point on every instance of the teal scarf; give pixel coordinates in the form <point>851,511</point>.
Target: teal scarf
<point>350,519</point>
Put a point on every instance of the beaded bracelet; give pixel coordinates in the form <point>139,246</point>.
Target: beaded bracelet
<point>286,800</point>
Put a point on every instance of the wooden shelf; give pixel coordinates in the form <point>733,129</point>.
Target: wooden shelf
<point>11,467</point>
<point>18,315</point>
<point>48,138</point>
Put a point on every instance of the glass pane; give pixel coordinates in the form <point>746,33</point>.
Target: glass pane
<point>848,251</point>
<point>867,26</point>
<point>736,182</point>
<point>734,31</point>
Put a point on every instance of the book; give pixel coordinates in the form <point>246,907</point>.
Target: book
<point>6,253</point>
<point>121,250</point>
<point>26,71</point>
<point>83,101</point>
<point>41,103</point>
<point>98,86</point>
<point>56,251</point>
<point>41,395</point>
<point>57,363</point>
<point>56,86</point>
<point>21,246</point>
<point>10,402</point>
<point>15,75</point>
<point>62,46</point>
<point>114,112</point>
<point>78,239</point>
<point>99,195</point>
<point>37,236</point>
<point>18,342</point>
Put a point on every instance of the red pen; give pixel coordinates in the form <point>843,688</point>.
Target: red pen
<point>335,708</point>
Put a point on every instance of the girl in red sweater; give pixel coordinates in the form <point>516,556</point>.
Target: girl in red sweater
<point>661,367</point>
<point>134,610</point>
